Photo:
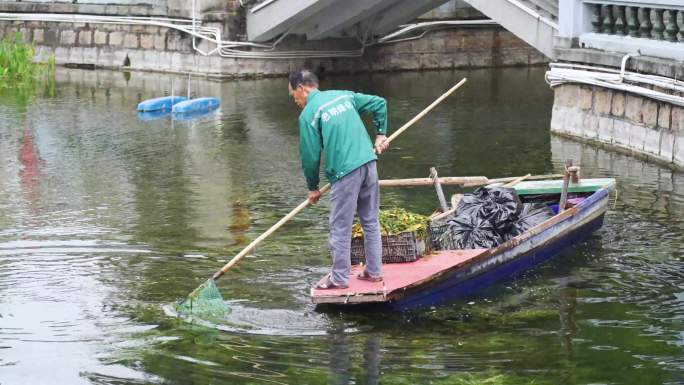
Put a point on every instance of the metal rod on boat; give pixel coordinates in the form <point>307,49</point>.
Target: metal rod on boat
<point>566,182</point>
<point>438,188</point>
<point>574,174</point>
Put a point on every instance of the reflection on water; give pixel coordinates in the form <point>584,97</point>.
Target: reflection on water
<point>107,219</point>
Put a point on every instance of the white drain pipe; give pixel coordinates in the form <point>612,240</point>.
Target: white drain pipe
<point>621,80</point>
<point>236,49</point>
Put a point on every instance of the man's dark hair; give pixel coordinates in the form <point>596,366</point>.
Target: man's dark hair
<point>303,77</point>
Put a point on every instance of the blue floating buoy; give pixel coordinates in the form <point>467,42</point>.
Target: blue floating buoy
<point>163,103</point>
<point>192,115</point>
<point>198,104</point>
<point>153,115</point>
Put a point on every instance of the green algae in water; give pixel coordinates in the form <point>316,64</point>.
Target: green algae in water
<point>491,378</point>
<point>205,301</point>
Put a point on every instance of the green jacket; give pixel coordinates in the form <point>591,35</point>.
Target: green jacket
<point>330,122</point>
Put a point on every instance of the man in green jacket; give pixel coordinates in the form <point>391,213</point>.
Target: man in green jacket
<point>330,123</point>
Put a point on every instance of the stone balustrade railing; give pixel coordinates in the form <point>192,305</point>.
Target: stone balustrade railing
<point>652,21</point>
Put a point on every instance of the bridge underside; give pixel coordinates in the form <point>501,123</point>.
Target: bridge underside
<point>534,21</point>
<point>320,19</point>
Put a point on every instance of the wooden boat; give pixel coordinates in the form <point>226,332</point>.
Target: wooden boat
<point>449,274</point>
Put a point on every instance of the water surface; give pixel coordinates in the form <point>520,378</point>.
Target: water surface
<point>106,220</point>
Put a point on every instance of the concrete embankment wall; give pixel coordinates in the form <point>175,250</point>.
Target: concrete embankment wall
<point>454,48</point>
<point>626,122</point>
<point>152,48</point>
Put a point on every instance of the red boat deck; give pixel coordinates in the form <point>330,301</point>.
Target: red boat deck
<point>397,276</point>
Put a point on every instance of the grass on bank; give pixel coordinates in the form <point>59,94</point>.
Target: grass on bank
<point>17,68</point>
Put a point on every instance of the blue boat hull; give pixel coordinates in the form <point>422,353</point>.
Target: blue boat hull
<point>506,263</point>
<point>454,289</point>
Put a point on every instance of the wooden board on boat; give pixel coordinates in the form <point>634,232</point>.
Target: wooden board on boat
<point>397,276</point>
<point>555,186</point>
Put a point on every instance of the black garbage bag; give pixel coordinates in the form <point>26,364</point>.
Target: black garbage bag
<point>502,207</point>
<point>468,231</point>
<point>472,204</point>
<point>531,215</point>
<point>483,219</point>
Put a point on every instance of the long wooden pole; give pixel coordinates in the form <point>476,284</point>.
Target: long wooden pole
<point>465,181</point>
<point>517,180</point>
<point>425,111</point>
<point>325,188</point>
<point>266,233</point>
<point>533,177</point>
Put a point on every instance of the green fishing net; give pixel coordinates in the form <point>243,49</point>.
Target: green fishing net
<point>205,301</point>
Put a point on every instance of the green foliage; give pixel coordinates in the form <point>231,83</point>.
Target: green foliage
<point>395,221</point>
<point>16,60</point>
<point>17,69</point>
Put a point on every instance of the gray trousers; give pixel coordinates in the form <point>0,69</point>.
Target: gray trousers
<point>359,192</point>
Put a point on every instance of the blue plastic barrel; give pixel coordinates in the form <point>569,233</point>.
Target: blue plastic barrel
<point>199,104</point>
<point>192,115</point>
<point>163,103</point>
<point>153,115</point>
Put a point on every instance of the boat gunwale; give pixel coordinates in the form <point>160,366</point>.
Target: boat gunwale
<point>498,250</point>
<point>508,245</point>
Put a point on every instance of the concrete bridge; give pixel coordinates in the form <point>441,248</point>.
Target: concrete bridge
<point>534,21</point>
<point>614,72</point>
<point>320,19</point>
<point>616,61</point>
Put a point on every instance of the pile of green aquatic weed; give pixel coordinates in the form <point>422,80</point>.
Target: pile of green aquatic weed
<point>205,301</point>
<point>396,220</point>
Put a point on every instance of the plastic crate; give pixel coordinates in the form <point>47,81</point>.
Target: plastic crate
<point>403,247</point>
<point>435,231</point>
